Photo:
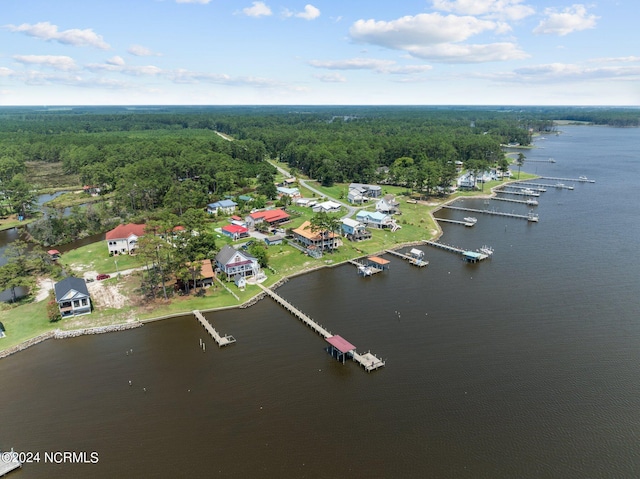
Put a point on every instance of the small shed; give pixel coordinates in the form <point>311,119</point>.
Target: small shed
<point>339,348</point>
<point>240,281</point>
<point>54,254</point>
<point>273,240</point>
<point>378,262</point>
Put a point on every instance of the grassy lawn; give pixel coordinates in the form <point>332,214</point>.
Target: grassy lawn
<point>24,321</point>
<point>95,257</point>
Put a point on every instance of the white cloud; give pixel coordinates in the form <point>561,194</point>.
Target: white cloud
<point>117,60</point>
<point>57,62</point>
<point>569,20</point>
<point>202,2</point>
<point>140,51</point>
<point>379,66</point>
<point>257,9</point>
<point>503,9</point>
<point>48,32</point>
<point>6,72</point>
<point>310,13</point>
<point>436,37</point>
<point>331,78</point>
<point>569,72</point>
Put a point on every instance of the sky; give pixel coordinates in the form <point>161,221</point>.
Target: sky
<point>328,52</point>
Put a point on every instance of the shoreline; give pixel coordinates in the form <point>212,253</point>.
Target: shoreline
<point>72,333</point>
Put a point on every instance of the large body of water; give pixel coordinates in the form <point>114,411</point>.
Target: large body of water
<point>523,366</point>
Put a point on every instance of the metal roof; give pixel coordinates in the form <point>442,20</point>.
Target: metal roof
<point>340,344</point>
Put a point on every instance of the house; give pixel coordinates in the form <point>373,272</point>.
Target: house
<point>245,198</point>
<point>315,240</point>
<point>292,193</point>
<point>287,182</point>
<point>124,238</point>
<point>354,230</point>
<point>204,273</point>
<point>235,232</point>
<point>234,262</point>
<point>306,202</point>
<point>375,219</point>
<point>466,181</point>
<point>388,205</point>
<point>370,191</point>
<point>355,196</point>
<point>270,217</point>
<point>327,207</point>
<point>72,297</point>
<point>223,207</point>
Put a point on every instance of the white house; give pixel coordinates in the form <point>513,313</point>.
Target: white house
<point>327,207</point>
<point>223,206</point>
<point>370,191</point>
<point>123,239</point>
<point>355,196</point>
<point>376,219</point>
<point>387,204</point>
<point>292,193</point>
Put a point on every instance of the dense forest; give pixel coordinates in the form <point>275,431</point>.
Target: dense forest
<point>178,158</point>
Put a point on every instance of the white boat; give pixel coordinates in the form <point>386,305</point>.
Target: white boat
<point>527,191</point>
<point>471,219</point>
<point>583,178</point>
<point>532,202</point>
<point>559,185</point>
<point>488,250</point>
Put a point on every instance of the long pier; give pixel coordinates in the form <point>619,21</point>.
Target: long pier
<point>456,222</point>
<point>530,202</point>
<point>529,217</point>
<point>411,259</point>
<point>580,180</point>
<point>471,256</point>
<point>519,193</point>
<point>368,361</point>
<point>541,187</point>
<point>221,340</point>
<point>8,466</point>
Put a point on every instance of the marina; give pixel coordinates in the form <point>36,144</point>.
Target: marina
<point>339,348</point>
<point>531,217</point>
<point>221,340</point>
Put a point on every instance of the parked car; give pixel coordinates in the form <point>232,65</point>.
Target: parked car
<point>100,277</point>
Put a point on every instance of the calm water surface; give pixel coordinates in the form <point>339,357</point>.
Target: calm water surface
<point>524,366</point>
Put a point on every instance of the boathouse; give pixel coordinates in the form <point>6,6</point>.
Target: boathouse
<point>339,348</point>
<point>472,256</point>
<point>378,262</point>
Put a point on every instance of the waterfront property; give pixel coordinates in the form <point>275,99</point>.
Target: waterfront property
<point>202,274</point>
<point>234,262</point>
<point>376,219</point>
<point>123,239</point>
<point>315,241</point>
<point>223,206</point>
<point>327,207</point>
<point>72,297</point>
<point>354,230</point>
<point>388,205</point>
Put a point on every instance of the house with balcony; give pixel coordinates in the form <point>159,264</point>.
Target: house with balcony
<point>271,218</point>
<point>235,262</point>
<point>72,297</point>
<point>354,230</point>
<point>123,239</point>
<point>225,207</point>
<point>388,205</point>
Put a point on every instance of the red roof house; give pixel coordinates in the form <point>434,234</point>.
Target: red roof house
<point>271,217</point>
<point>235,231</point>
<point>124,238</point>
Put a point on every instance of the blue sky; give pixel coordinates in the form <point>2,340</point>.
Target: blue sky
<point>416,52</point>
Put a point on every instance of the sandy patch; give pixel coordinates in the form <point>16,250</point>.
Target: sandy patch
<point>106,295</point>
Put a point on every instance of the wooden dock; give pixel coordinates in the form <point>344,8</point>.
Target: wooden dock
<point>580,180</point>
<point>455,222</point>
<point>530,202</point>
<point>7,467</point>
<point>368,361</point>
<point>530,217</point>
<point>541,187</point>
<point>454,249</point>
<point>518,193</point>
<point>221,340</point>
<point>420,263</point>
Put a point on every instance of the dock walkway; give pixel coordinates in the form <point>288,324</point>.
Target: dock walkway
<point>530,202</point>
<point>411,259</point>
<point>519,193</point>
<point>580,180</point>
<point>221,340</point>
<point>368,361</point>
<point>455,222</point>
<point>467,254</point>
<point>529,217</point>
